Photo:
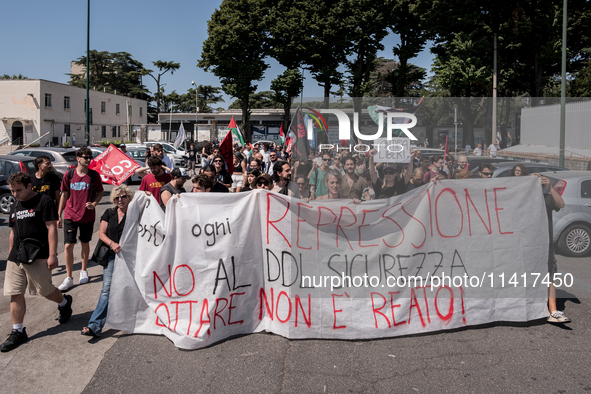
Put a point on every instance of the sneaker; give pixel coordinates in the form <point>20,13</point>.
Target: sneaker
<point>66,310</point>
<point>66,284</point>
<point>558,317</point>
<point>15,339</point>
<point>83,277</point>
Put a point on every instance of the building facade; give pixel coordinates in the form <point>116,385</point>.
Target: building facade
<point>51,113</point>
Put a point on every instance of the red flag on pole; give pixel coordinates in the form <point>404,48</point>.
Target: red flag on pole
<point>446,151</point>
<point>226,151</point>
<point>114,166</point>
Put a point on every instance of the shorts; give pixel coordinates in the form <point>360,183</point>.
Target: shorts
<point>71,227</point>
<point>237,181</point>
<point>37,276</point>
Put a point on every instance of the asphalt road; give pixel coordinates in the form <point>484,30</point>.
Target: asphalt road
<point>530,357</point>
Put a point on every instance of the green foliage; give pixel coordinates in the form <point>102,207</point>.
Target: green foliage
<point>207,94</point>
<point>259,100</point>
<point>285,87</point>
<point>163,67</point>
<point>6,76</point>
<point>236,47</point>
<point>112,72</point>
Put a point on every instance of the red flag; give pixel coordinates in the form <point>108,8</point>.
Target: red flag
<point>114,166</point>
<point>226,151</point>
<point>446,151</point>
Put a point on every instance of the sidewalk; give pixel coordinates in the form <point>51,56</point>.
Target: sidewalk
<point>57,359</point>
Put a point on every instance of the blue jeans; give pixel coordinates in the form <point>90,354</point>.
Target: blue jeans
<point>99,316</point>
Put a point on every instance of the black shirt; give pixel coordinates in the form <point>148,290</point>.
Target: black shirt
<point>30,217</point>
<point>114,229</point>
<point>219,188</point>
<point>304,168</point>
<point>387,192</point>
<point>192,154</point>
<point>47,185</point>
<point>412,186</point>
<point>224,177</point>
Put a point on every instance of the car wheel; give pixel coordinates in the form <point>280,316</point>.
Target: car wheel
<point>575,241</point>
<point>6,201</point>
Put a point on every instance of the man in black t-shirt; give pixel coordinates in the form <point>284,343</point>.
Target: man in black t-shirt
<point>32,216</point>
<point>45,181</point>
<point>175,186</point>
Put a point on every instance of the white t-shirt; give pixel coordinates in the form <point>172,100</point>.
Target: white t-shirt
<point>478,151</point>
<point>493,150</point>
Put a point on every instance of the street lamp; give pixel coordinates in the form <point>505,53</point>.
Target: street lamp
<point>196,137</point>
<point>87,131</point>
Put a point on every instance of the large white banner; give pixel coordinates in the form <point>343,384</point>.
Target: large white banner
<point>447,255</point>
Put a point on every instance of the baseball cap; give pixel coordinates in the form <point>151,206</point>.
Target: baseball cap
<point>264,177</point>
<point>179,173</point>
<point>120,145</point>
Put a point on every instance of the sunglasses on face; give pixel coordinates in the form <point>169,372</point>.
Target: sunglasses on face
<point>389,173</point>
<point>487,173</point>
<point>217,161</point>
<point>123,197</point>
<point>325,159</point>
<point>86,157</point>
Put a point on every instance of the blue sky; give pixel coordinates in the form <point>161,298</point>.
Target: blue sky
<point>40,38</point>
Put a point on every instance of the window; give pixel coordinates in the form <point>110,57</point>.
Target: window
<point>47,100</point>
<point>67,103</point>
<point>114,131</point>
<point>118,131</point>
<point>103,131</point>
<point>141,112</point>
<point>117,109</point>
<point>67,130</point>
<point>103,107</point>
<point>586,189</point>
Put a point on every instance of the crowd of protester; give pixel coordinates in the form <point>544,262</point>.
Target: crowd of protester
<point>43,204</point>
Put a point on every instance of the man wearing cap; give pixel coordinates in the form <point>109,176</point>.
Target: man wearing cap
<point>353,185</point>
<point>175,186</point>
<point>264,182</point>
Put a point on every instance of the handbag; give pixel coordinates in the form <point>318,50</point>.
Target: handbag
<point>28,249</point>
<point>101,254</point>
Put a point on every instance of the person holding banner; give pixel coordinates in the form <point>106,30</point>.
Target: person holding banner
<point>175,186</point>
<point>112,224</point>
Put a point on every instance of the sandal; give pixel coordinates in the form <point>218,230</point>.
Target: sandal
<point>88,332</point>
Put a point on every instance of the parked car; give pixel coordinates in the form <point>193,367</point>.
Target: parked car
<point>474,161</point>
<point>10,164</point>
<point>61,158</point>
<point>572,224</point>
<point>98,150</point>
<point>177,160</point>
<point>502,168</point>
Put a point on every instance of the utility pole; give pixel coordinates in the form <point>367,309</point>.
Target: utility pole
<point>563,87</point>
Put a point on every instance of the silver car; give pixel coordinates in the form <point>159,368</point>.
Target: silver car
<point>61,158</point>
<point>572,224</point>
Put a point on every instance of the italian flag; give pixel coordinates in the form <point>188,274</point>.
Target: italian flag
<point>236,130</point>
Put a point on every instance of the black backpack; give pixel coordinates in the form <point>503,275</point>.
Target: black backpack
<point>92,174</point>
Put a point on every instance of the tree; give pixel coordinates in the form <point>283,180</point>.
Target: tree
<point>115,73</point>
<point>235,49</point>
<point>163,68</point>
<point>6,76</point>
<point>366,28</point>
<point>407,20</point>
<point>207,94</point>
<point>259,100</point>
<point>285,87</point>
